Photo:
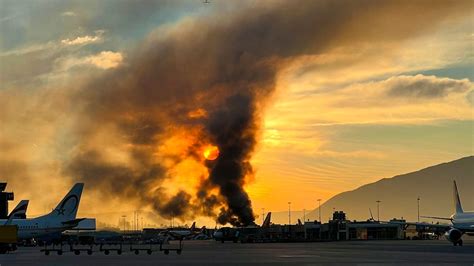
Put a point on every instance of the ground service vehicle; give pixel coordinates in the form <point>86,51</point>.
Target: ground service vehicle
<point>8,238</point>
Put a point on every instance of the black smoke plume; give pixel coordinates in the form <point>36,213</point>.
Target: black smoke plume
<point>225,65</point>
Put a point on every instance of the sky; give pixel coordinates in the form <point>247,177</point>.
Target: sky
<point>341,94</point>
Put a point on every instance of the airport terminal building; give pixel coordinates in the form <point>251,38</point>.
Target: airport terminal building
<point>339,228</point>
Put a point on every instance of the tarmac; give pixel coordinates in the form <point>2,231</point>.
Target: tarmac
<point>406,252</point>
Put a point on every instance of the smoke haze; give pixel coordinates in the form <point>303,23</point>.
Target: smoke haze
<point>138,131</point>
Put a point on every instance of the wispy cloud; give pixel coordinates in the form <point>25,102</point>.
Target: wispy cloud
<point>421,86</point>
<point>102,60</point>
<point>105,59</point>
<point>29,49</point>
<point>68,14</point>
<point>83,40</point>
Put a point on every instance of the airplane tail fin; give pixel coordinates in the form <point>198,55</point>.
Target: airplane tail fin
<point>18,210</point>
<point>457,200</point>
<point>193,226</point>
<point>67,208</point>
<point>266,222</point>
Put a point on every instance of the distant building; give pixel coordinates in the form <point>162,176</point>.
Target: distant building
<point>339,228</point>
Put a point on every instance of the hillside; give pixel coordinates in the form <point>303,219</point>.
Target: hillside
<point>398,195</point>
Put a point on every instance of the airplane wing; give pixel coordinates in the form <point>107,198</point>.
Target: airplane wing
<point>426,226</point>
<point>437,218</point>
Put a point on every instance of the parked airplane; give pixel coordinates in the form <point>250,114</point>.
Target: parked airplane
<point>233,234</point>
<point>462,221</point>
<point>185,233</point>
<point>62,218</point>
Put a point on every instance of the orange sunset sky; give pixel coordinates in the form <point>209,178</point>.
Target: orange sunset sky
<point>121,95</point>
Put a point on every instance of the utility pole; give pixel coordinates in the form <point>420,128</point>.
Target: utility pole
<point>289,218</point>
<point>418,201</point>
<point>378,210</point>
<point>319,208</point>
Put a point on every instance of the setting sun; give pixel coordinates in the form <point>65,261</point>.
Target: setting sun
<point>211,152</point>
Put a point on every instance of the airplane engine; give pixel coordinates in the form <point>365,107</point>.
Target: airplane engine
<point>454,235</point>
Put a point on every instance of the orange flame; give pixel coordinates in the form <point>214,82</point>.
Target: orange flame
<point>211,152</point>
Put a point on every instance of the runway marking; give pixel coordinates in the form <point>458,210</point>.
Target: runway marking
<point>298,256</point>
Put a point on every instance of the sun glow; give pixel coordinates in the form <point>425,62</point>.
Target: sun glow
<point>211,152</point>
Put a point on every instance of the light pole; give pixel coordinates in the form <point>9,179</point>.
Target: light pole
<point>289,212</point>
<point>378,210</point>
<point>418,201</point>
<point>319,208</point>
<point>136,220</point>
<point>304,221</point>
<point>124,217</point>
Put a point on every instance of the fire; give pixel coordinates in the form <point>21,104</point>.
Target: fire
<point>211,152</point>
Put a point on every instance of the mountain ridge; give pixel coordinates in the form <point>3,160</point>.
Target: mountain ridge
<point>398,194</point>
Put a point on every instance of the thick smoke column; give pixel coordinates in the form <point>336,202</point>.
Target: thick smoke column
<point>233,129</point>
<point>206,80</point>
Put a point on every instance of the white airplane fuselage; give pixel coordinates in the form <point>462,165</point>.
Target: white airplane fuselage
<point>36,227</point>
<point>463,221</point>
<point>62,218</point>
